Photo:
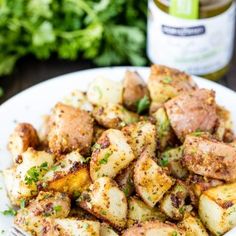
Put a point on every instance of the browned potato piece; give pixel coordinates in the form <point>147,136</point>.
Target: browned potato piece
<point>134,89</point>
<point>198,184</point>
<point>173,203</point>
<point>165,83</point>
<point>114,116</point>
<point>152,228</point>
<point>190,112</point>
<point>150,180</point>
<point>106,201</point>
<point>71,129</point>
<point>47,205</point>
<point>23,137</point>
<point>210,158</point>
<point>111,154</point>
<point>141,136</point>
<point>69,175</point>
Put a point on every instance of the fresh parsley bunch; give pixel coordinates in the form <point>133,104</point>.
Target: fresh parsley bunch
<point>105,31</point>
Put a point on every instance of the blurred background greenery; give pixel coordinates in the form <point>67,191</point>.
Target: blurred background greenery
<point>107,32</point>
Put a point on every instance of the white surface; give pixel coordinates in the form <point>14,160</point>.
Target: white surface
<point>207,50</point>
<point>31,104</point>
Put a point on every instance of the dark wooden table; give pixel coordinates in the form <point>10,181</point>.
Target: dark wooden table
<point>30,71</point>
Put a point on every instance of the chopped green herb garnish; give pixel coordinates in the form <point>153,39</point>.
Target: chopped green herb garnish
<point>167,80</point>
<point>22,203</point>
<point>33,174</point>
<point>96,146</point>
<point>9,212</point>
<point>143,104</point>
<point>76,194</point>
<point>164,161</point>
<point>103,212</point>
<point>182,210</point>
<point>175,233</point>
<point>86,225</point>
<point>54,168</point>
<point>104,160</point>
<point>57,208</point>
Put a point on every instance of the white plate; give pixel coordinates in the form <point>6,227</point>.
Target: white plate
<point>31,104</point>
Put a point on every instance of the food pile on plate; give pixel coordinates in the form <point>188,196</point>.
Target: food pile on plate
<point>127,158</point>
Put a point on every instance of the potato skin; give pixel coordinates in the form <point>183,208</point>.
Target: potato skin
<point>150,180</point>
<point>210,158</point>
<point>192,112</point>
<point>114,116</point>
<point>165,83</point>
<point>154,228</point>
<point>134,89</point>
<point>71,129</point>
<point>23,137</point>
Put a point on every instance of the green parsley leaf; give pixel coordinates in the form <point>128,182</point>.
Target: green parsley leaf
<point>33,174</point>
<point>167,80</point>
<point>164,161</point>
<point>57,208</point>
<point>104,160</point>
<point>175,233</point>
<point>143,104</point>
<point>9,212</point>
<point>22,203</point>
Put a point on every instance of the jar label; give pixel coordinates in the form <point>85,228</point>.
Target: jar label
<point>198,47</point>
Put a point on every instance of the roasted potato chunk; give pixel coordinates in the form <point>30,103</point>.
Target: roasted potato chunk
<point>40,212</point>
<point>192,225</point>
<point>172,159</point>
<point>190,112</point>
<point>217,208</point>
<point>71,129</point>
<point>141,137</point>
<point>103,90</point>
<point>139,212</point>
<point>21,180</point>
<point>165,83</point>
<point>69,175</point>
<point>210,158</point>
<point>114,116</point>
<point>154,228</point>
<point>198,184</point>
<point>224,128</point>
<point>111,154</point>
<point>165,134</point>
<point>106,230</point>
<point>106,201</point>
<point>75,227</point>
<point>173,203</point>
<point>23,137</point>
<point>150,181</point>
<point>134,89</point>
<point>79,100</point>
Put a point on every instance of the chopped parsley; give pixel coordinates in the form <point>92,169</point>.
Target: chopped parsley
<point>96,146</point>
<point>9,212</point>
<point>175,233</point>
<point>143,104</point>
<point>104,160</point>
<point>103,212</point>
<point>22,203</point>
<point>164,161</point>
<point>182,210</point>
<point>54,167</point>
<point>33,174</point>
<point>167,80</point>
<point>57,208</point>
<point>76,194</point>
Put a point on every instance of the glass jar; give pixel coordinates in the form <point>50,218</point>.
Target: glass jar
<point>196,36</point>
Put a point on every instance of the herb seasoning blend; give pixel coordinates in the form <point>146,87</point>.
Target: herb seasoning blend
<point>196,36</point>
